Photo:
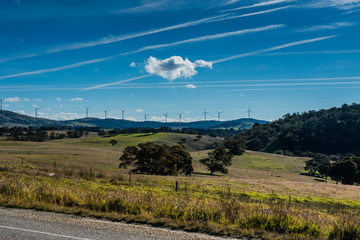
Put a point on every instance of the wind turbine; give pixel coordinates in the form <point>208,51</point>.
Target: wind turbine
<point>36,111</point>
<point>145,116</point>
<point>249,112</point>
<point>122,113</point>
<point>1,101</point>
<point>106,113</point>
<point>205,113</point>
<point>87,111</point>
<point>166,117</point>
<point>219,113</point>
<point>180,116</point>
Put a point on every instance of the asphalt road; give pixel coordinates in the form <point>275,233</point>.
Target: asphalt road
<point>31,224</point>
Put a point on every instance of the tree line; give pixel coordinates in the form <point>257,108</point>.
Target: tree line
<point>38,134</point>
<point>346,170</point>
<point>332,131</point>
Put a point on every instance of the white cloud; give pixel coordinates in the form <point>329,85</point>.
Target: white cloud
<point>174,67</point>
<point>13,99</point>
<point>192,86</point>
<point>273,48</point>
<point>35,106</point>
<point>132,64</point>
<point>38,100</point>
<point>65,116</point>
<point>260,4</point>
<point>20,112</point>
<point>152,47</point>
<point>43,115</point>
<point>58,99</point>
<point>341,4</point>
<point>26,99</point>
<point>139,110</point>
<point>17,1</point>
<point>130,118</point>
<point>76,99</point>
<point>328,27</point>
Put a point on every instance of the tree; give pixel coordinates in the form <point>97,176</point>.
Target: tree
<point>345,171</point>
<point>313,165</point>
<point>151,158</point>
<point>217,160</point>
<point>236,145</point>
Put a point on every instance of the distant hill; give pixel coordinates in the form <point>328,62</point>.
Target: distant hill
<point>331,131</point>
<point>10,119</point>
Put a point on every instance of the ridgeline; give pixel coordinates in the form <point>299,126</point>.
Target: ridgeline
<point>11,119</point>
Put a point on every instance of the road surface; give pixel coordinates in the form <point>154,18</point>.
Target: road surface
<point>31,224</point>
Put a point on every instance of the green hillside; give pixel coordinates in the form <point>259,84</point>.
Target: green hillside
<point>331,131</point>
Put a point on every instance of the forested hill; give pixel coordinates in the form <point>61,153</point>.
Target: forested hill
<point>332,131</point>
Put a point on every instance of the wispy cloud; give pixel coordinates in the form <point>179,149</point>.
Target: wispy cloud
<point>260,4</point>
<point>58,99</point>
<point>152,47</point>
<point>76,99</point>
<point>350,51</point>
<point>272,49</point>
<point>331,26</point>
<point>341,4</point>
<point>114,39</point>
<point>146,6</point>
<point>13,99</point>
<point>252,14</point>
<point>117,82</point>
<point>287,45</point>
<point>191,86</point>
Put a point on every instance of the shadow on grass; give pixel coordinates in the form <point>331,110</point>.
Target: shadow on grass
<point>208,174</point>
<point>145,135</point>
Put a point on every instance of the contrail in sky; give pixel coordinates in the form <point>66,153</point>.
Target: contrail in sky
<point>151,47</point>
<point>239,56</point>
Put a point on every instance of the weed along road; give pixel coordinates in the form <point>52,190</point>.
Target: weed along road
<point>31,224</point>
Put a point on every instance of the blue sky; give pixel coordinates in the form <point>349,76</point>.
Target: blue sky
<point>166,56</point>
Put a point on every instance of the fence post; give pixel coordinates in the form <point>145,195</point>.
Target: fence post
<point>90,171</point>
<point>129,177</point>
<point>22,161</point>
<point>176,186</point>
<point>229,192</point>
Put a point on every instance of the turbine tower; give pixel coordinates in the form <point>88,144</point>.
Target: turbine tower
<point>180,116</point>
<point>145,116</point>
<point>36,111</point>
<point>219,113</point>
<point>205,113</point>
<point>106,113</point>
<point>87,111</point>
<point>122,113</point>
<point>166,117</point>
<point>249,112</point>
<point>1,101</point>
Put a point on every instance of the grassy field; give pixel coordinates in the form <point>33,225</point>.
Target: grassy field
<point>264,195</point>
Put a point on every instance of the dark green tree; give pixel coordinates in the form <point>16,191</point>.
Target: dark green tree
<point>235,145</point>
<point>217,160</point>
<point>151,158</point>
<point>345,171</point>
